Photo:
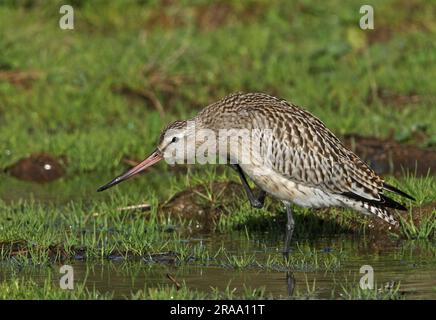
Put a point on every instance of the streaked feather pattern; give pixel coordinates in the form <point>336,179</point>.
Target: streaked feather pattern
<point>300,149</point>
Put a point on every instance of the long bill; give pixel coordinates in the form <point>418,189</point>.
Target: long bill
<point>151,160</point>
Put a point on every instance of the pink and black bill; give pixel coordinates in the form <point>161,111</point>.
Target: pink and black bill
<point>151,160</point>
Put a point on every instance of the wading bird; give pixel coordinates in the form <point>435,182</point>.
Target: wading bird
<point>294,158</point>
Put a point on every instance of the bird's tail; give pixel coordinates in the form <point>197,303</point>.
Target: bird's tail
<point>397,191</point>
<point>381,212</point>
<point>374,207</point>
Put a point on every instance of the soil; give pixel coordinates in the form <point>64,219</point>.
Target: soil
<point>193,204</point>
<point>23,79</point>
<point>206,17</point>
<point>390,157</point>
<point>388,97</point>
<point>38,168</point>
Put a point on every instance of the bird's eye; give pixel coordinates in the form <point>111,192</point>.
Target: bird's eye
<point>174,139</point>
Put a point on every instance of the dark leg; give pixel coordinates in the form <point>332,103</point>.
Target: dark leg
<point>289,230</point>
<point>255,202</point>
<point>290,283</point>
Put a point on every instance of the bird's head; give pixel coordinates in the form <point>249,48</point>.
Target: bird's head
<point>176,144</point>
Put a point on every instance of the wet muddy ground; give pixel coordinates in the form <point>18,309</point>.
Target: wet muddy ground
<point>390,157</point>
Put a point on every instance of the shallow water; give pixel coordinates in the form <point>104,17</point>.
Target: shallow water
<point>417,276</point>
<point>409,263</point>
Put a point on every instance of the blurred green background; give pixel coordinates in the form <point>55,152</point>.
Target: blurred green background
<point>104,90</point>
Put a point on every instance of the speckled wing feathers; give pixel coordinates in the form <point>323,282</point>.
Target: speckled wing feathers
<point>302,149</point>
<point>306,152</point>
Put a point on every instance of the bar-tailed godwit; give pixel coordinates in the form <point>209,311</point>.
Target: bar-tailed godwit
<point>294,157</point>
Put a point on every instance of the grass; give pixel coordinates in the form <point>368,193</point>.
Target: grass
<point>240,262</point>
<point>100,230</point>
<point>38,235</point>
<point>310,291</point>
<point>184,293</point>
<point>425,230</point>
<point>102,92</point>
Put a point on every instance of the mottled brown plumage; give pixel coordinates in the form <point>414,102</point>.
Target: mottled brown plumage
<point>302,150</point>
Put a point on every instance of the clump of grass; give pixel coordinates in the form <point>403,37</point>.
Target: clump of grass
<point>239,261</point>
<point>353,292</point>
<point>197,253</point>
<point>230,293</point>
<point>168,292</point>
<point>423,189</point>
<point>305,258</point>
<point>311,291</point>
<point>424,229</point>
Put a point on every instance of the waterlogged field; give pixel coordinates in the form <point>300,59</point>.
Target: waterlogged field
<point>78,107</point>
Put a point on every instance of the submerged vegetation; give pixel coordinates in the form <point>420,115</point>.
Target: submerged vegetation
<point>78,106</point>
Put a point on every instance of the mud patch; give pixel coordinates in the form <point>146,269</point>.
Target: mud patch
<point>206,17</point>
<point>211,16</point>
<point>389,157</point>
<point>203,204</point>
<point>388,97</point>
<point>38,168</point>
<point>22,79</point>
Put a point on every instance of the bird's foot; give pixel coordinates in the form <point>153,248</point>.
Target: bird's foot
<point>255,203</point>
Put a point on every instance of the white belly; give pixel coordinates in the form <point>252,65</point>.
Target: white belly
<point>287,190</point>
